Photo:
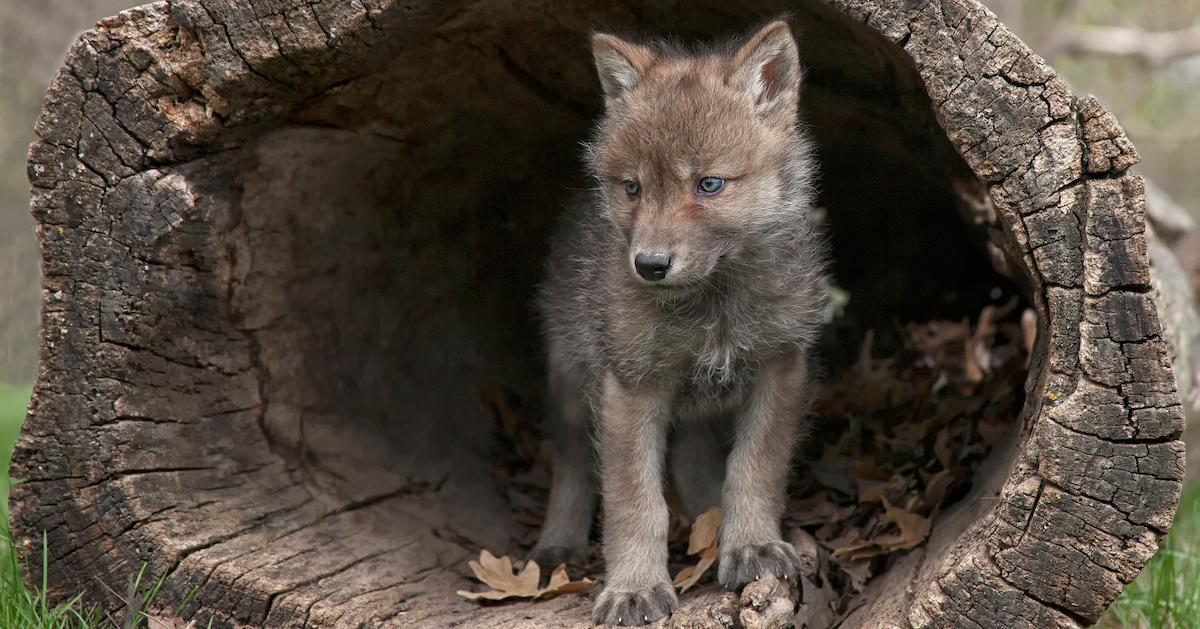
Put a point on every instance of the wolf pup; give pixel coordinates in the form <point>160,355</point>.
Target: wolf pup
<point>680,304</point>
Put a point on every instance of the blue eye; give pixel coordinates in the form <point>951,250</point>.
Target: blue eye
<point>710,185</point>
<point>632,188</point>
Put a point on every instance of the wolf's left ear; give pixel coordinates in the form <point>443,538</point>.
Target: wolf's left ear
<point>767,68</point>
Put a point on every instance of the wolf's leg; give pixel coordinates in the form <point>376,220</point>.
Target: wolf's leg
<point>564,536</point>
<point>757,475</point>
<point>698,464</point>
<point>632,431</point>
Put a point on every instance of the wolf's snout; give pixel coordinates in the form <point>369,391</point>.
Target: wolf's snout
<point>652,266</point>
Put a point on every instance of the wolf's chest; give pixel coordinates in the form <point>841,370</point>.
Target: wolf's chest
<point>705,393</point>
<point>707,400</point>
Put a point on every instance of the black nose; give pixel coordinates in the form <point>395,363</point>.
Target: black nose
<point>652,266</point>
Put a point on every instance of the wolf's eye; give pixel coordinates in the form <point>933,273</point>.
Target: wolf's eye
<point>710,185</point>
<point>632,188</point>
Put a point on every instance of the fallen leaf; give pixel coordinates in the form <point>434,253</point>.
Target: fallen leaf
<point>817,509</point>
<point>943,452</point>
<point>858,548</point>
<point>818,605</point>
<point>527,518</point>
<point>934,338</point>
<point>561,583</point>
<point>513,426</point>
<point>703,542</point>
<point>874,491</point>
<point>991,433</point>
<point>704,531</point>
<point>857,573</point>
<point>691,575</point>
<point>914,528</point>
<point>977,349</point>
<point>497,572</point>
<point>936,487</point>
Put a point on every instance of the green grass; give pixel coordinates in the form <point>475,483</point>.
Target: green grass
<point>12,413</point>
<point>1167,594</point>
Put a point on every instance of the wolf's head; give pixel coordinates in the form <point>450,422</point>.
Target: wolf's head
<point>698,157</point>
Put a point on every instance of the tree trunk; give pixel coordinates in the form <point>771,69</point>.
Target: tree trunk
<point>285,246</point>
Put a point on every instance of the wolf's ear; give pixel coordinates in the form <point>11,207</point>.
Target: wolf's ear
<point>620,64</point>
<point>767,68</point>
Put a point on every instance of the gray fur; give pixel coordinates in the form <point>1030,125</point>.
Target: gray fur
<point>727,356</point>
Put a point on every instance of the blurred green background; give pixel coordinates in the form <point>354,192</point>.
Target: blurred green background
<point>1142,59</point>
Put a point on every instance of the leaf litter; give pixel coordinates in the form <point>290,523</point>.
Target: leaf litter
<point>898,436</point>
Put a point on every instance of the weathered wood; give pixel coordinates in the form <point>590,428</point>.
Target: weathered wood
<point>284,243</point>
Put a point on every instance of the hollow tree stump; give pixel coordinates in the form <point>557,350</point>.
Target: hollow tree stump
<point>285,243</point>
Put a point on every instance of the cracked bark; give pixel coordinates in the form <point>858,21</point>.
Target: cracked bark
<point>261,335</point>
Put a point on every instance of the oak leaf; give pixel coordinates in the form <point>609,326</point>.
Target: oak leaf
<point>497,572</point>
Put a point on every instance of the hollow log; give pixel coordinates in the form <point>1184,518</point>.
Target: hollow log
<point>284,244</point>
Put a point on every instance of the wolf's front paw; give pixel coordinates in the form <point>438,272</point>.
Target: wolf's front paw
<point>615,607</point>
<point>549,557</point>
<point>743,564</point>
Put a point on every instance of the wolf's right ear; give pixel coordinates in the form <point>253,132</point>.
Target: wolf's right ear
<point>620,64</point>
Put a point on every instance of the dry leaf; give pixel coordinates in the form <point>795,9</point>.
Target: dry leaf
<point>935,337</point>
<point>513,426</point>
<point>874,491</point>
<point>857,573</point>
<point>497,572</point>
<point>858,548</point>
<point>991,432</point>
<point>936,487</point>
<point>691,575</point>
<point>702,541</point>
<point>818,606</point>
<point>914,528</point>
<point>977,355</point>
<point>817,509</point>
<point>704,531</point>
<point>941,449</point>
<point>561,583</point>
<point>496,396</point>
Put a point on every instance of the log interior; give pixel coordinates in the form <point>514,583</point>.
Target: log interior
<point>294,354</point>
